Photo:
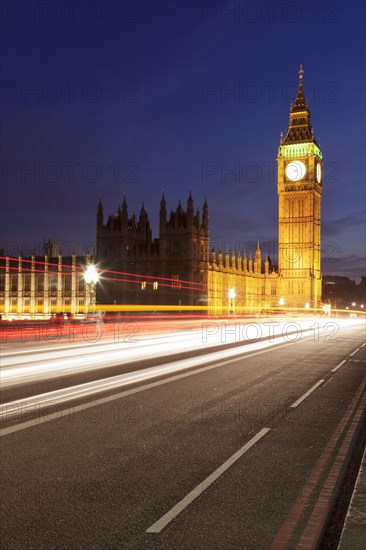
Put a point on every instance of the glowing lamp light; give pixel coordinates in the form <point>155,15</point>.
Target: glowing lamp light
<point>232,293</point>
<point>353,303</point>
<point>91,275</point>
<point>307,305</point>
<point>281,301</point>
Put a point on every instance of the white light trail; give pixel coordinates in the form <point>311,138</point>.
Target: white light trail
<point>44,364</point>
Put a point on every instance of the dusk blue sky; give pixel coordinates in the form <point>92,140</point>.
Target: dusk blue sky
<point>132,95</point>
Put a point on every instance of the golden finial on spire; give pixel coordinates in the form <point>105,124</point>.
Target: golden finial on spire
<point>301,72</point>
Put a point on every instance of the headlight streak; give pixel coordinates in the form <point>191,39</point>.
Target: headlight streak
<point>56,363</point>
<point>57,368</point>
<point>89,389</point>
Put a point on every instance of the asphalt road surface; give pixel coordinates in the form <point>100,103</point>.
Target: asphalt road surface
<point>193,445</point>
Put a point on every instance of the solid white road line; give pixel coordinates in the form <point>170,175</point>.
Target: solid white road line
<point>301,399</point>
<point>197,491</point>
<point>356,350</point>
<point>363,345</point>
<point>338,366</point>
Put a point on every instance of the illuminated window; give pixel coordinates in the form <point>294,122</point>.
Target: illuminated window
<point>53,281</point>
<point>67,282</point>
<point>143,285</point>
<point>40,283</point>
<point>14,283</point>
<point>155,285</point>
<point>27,282</point>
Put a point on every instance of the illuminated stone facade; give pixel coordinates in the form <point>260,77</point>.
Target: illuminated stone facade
<point>40,286</point>
<point>170,270</point>
<point>178,268</point>
<point>240,285</point>
<point>297,281</point>
<point>299,190</point>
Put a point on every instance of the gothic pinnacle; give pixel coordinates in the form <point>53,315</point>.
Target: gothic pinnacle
<point>301,72</point>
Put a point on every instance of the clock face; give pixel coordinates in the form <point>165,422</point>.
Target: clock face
<point>295,170</point>
<point>318,173</point>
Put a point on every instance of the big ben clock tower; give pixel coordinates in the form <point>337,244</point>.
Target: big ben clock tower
<point>299,191</point>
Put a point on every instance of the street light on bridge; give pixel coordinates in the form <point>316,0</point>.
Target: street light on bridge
<point>91,277</point>
<point>232,296</point>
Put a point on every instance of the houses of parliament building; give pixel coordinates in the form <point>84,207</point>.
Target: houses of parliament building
<point>178,268</point>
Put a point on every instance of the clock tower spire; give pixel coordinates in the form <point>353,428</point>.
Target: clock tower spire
<point>300,129</point>
<point>299,190</point>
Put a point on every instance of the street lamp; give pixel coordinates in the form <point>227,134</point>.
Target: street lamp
<point>353,303</point>
<point>281,301</point>
<point>91,277</point>
<point>307,305</point>
<point>232,296</point>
